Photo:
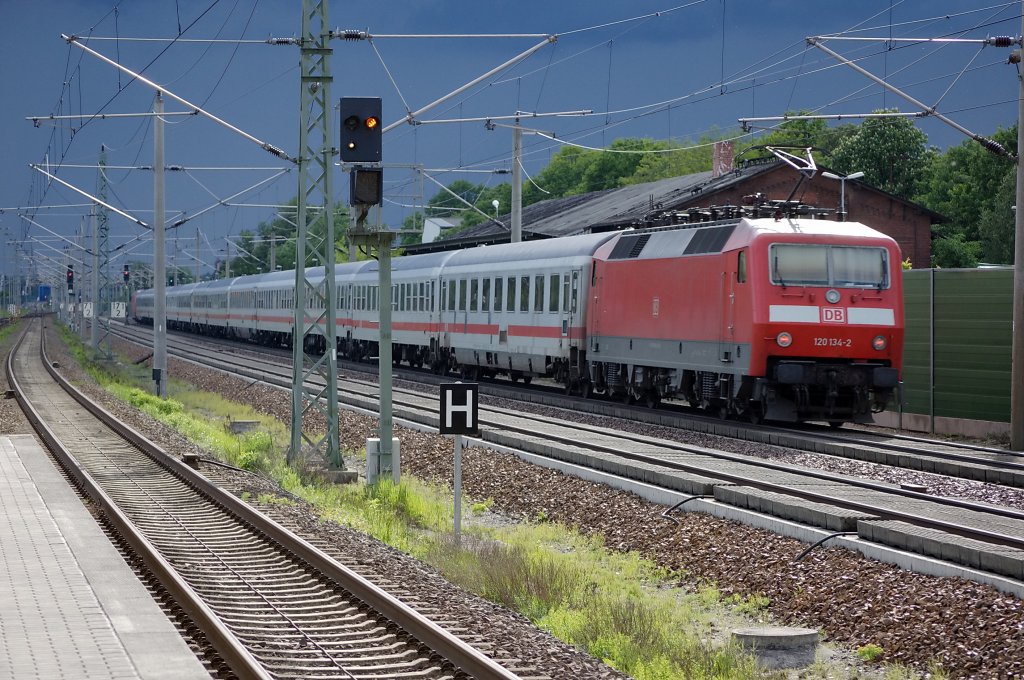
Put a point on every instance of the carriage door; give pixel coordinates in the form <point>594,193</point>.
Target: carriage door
<point>727,316</point>
<point>570,305</point>
<point>449,295</point>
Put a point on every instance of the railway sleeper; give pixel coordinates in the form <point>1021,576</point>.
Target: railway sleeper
<point>811,513</point>
<point>969,552</point>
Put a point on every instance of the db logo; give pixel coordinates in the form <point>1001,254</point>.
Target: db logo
<point>833,315</point>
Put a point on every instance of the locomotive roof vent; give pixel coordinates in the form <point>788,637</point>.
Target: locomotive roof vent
<point>709,240</point>
<point>629,247</point>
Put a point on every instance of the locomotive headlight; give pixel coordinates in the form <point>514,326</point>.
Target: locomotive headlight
<point>832,295</point>
<point>784,339</point>
<point>879,342</point>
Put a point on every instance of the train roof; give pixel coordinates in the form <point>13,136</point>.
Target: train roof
<point>406,263</point>
<point>810,226</point>
<point>714,237</point>
<point>183,288</point>
<point>529,251</point>
<point>217,284</point>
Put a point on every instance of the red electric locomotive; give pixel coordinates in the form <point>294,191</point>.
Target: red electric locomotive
<point>759,312</point>
<point>782,317</point>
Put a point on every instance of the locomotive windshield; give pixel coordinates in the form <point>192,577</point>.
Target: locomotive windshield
<point>822,265</point>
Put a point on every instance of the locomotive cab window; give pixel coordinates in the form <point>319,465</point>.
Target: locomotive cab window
<point>741,266</point>
<point>820,265</point>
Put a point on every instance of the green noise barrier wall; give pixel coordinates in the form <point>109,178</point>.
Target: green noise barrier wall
<point>956,360</point>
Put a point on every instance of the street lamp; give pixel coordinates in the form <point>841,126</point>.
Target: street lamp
<point>842,189</point>
<point>495,203</point>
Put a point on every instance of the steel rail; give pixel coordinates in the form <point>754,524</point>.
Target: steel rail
<point>950,527</point>
<point>462,655</point>
<point>234,653</point>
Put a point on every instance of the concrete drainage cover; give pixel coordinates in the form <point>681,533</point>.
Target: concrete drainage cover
<point>779,646</point>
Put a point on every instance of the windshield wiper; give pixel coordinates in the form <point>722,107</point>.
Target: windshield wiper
<point>778,278</point>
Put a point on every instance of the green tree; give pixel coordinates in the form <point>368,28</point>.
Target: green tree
<point>997,224</point>
<point>813,133</point>
<point>252,254</point>
<point>443,204</point>
<point>891,152</point>
<point>963,184</point>
<point>955,252</point>
<point>689,158</point>
<point>563,175</point>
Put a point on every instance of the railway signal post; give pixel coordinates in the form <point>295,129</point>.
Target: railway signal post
<point>459,405</point>
<point>360,143</point>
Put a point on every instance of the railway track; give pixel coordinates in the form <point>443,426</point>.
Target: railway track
<point>270,604</point>
<point>698,471</point>
<point>950,458</point>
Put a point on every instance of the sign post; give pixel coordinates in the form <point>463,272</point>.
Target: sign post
<point>458,417</point>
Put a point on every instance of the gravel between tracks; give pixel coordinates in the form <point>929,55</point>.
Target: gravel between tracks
<point>12,420</point>
<point>972,629</point>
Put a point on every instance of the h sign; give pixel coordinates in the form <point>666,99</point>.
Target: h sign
<point>459,408</point>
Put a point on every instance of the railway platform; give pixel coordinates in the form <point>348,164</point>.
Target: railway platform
<point>69,605</point>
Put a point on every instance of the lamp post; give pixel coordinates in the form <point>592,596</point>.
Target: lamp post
<point>842,189</point>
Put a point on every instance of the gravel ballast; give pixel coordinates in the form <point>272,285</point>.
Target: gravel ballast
<point>971,629</point>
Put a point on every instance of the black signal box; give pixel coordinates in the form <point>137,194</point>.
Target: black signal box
<point>366,186</point>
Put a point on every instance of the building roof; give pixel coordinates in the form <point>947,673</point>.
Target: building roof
<point>612,208</point>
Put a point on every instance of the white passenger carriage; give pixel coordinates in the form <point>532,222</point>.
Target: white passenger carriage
<point>517,308</point>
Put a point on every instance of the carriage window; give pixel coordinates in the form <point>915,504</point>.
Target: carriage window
<point>498,293</point>
<point>510,294</point>
<point>741,266</point>
<point>524,293</point>
<point>553,303</point>
<point>463,289</point>
<point>474,295</point>
<point>431,306</point>
<point>538,294</point>
<point>819,265</point>
<point>485,296</point>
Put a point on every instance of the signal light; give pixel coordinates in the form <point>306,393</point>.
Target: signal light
<point>71,278</point>
<point>126,274</point>
<point>360,129</point>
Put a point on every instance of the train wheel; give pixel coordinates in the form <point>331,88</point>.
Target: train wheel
<point>586,389</point>
<point>835,424</point>
<point>653,399</point>
<point>527,379</point>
